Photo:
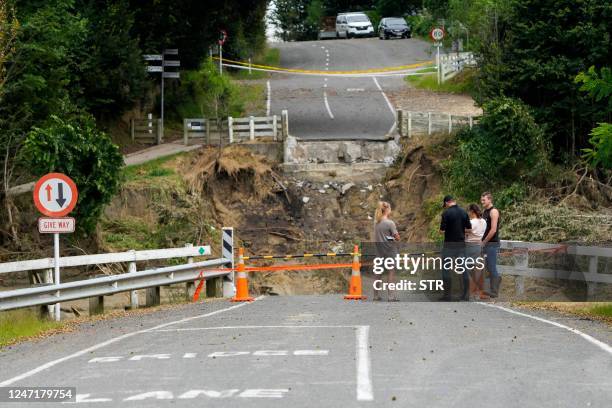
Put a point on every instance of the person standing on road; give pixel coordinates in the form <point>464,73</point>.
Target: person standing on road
<point>385,235</point>
<point>473,248</point>
<point>454,224</point>
<point>490,241</point>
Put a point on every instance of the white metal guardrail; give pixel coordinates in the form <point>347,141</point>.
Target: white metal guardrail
<point>150,279</point>
<point>412,123</point>
<point>235,130</point>
<point>598,268</point>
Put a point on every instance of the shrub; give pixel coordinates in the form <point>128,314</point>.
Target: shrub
<point>504,148</point>
<point>74,146</point>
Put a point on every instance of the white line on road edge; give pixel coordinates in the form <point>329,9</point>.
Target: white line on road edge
<point>364,379</point>
<point>111,341</point>
<point>590,339</point>
<point>331,115</point>
<point>391,108</point>
<point>268,99</point>
<point>251,327</point>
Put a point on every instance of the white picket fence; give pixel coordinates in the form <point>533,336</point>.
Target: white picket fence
<point>235,130</point>
<point>411,123</point>
<point>451,64</point>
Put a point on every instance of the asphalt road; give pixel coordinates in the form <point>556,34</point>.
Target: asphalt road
<point>329,107</point>
<point>322,351</point>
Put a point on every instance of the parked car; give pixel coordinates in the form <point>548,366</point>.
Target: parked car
<point>351,25</point>
<point>393,27</point>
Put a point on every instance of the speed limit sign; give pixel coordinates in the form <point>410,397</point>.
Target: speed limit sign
<point>437,34</point>
<point>222,37</point>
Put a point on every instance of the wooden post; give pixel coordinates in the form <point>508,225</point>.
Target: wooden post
<point>133,293</point>
<point>399,118</point>
<point>285,124</point>
<point>214,287</point>
<point>251,128</point>
<point>160,132</point>
<point>207,124</point>
<point>153,296</point>
<point>274,127</point>
<point>189,286</point>
<point>521,263</point>
<point>471,121</point>
<point>409,124</point>
<point>230,129</point>
<point>96,303</point>
<point>46,311</point>
<point>429,123</point>
<point>132,129</point>
<point>185,133</point>
<point>450,123</point>
<point>592,286</point>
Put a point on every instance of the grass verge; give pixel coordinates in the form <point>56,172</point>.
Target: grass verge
<point>462,83</point>
<point>592,310</point>
<point>16,325</point>
<point>270,57</point>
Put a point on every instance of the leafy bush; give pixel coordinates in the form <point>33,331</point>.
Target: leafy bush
<point>504,148</point>
<point>74,146</point>
<point>601,152</point>
<point>205,93</point>
<point>420,24</point>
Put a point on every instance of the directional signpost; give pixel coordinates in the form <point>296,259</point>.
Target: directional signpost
<point>159,63</point>
<point>55,196</point>
<point>437,35</point>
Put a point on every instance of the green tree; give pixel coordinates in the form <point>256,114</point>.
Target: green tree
<point>598,85</point>
<point>506,148</point>
<point>74,146</point>
<point>542,46</point>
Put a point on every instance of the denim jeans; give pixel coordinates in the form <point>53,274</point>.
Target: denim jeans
<point>490,250</point>
<point>453,251</point>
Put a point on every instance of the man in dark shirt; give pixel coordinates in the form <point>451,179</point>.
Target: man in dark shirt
<point>455,222</point>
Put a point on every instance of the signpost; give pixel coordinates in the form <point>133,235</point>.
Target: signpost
<point>162,68</point>
<point>55,196</point>
<point>437,35</point>
<point>222,39</point>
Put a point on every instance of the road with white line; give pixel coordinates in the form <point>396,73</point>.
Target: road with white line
<point>304,351</point>
<point>329,107</point>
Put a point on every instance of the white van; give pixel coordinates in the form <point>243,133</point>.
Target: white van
<point>351,25</point>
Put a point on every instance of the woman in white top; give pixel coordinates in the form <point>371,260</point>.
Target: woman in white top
<point>473,248</point>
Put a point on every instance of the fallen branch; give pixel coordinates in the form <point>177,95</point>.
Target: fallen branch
<point>289,237</point>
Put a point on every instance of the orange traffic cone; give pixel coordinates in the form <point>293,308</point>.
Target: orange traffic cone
<point>242,283</point>
<point>355,285</point>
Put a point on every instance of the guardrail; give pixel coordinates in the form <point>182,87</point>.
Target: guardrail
<point>146,130</point>
<point>47,292</point>
<point>521,252</point>
<point>234,130</point>
<point>410,123</point>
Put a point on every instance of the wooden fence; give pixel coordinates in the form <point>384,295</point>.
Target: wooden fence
<point>146,130</point>
<point>233,130</point>
<point>411,123</point>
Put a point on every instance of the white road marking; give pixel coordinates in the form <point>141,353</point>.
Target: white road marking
<point>86,398</point>
<point>152,356</point>
<point>268,99</point>
<point>331,115</point>
<point>208,393</point>
<point>364,369</point>
<point>228,354</point>
<point>266,353</point>
<point>355,89</point>
<point>158,395</point>
<point>112,359</point>
<point>190,355</point>
<point>264,393</point>
<point>254,327</point>
<point>391,108</point>
<point>111,341</point>
<point>311,353</point>
<point>590,339</point>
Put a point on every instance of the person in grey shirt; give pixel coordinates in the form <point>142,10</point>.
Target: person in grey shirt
<point>385,235</point>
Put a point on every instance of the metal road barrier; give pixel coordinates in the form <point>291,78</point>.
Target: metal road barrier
<point>47,292</point>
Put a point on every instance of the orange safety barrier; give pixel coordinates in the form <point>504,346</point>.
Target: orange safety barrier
<point>242,282</point>
<point>355,291</point>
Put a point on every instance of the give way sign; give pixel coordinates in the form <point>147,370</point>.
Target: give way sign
<point>55,195</point>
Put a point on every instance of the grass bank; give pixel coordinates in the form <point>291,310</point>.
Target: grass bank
<point>270,57</point>
<point>16,325</point>
<point>462,83</point>
<point>595,310</point>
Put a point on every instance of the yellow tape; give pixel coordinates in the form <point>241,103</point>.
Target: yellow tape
<point>309,71</point>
